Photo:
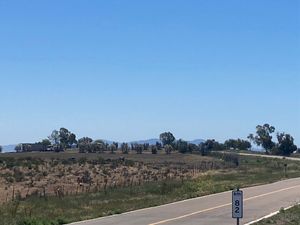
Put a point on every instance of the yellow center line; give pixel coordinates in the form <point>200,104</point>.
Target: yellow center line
<point>221,206</point>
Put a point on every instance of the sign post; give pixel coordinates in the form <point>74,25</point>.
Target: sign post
<point>237,205</point>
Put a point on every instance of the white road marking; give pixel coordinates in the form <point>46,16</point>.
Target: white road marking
<point>221,206</point>
<point>270,215</point>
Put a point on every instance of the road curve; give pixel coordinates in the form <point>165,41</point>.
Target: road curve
<point>270,156</point>
<point>212,209</point>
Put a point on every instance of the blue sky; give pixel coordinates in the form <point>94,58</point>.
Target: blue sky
<point>128,70</point>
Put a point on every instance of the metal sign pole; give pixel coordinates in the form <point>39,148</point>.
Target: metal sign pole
<point>237,205</point>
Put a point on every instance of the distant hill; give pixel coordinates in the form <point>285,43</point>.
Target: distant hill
<point>148,141</point>
<point>154,140</point>
<point>197,141</point>
<point>8,148</point>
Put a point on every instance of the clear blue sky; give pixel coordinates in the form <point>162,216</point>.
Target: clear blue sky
<point>127,70</point>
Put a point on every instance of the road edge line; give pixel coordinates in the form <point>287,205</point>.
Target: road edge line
<point>270,215</point>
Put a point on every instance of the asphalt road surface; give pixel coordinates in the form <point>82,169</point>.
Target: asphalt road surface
<point>271,156</point>
<point>214,209</point>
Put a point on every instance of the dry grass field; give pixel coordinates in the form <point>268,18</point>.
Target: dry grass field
<point>47,174</point>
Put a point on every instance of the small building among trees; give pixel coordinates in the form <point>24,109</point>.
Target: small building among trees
<point>31,147</point>
<point>37,147</point>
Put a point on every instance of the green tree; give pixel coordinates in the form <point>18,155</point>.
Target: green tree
<point>125,148</point>
<point>96,141</point>
<point>182,146</point>
<point>1,149</point>
<point>167,138</point>
<point>112,148</point>
<point>238,144</point>
<point>116,144</point>
<point>85,140</point>
<point>83,148</point>
<point>244,144</point>
<point>154,149</point>
<point>158,145</point>
<point>18,148</point>
<point>138,148</point>
<point>231,144</point>
<point>168,149</point>
<point>99,146</point>
<point>72,139</point>
<point>217,146</point>
<point>54,137</point>
<point>209,145</point>
<point>285,145</point>
<point>193,147</point>
<point>263,137</point>
<point>146,146</point>
<point>45,142</point>
<point>85,145</point>
<point>66,138</point>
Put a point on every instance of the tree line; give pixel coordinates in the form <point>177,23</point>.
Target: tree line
<point>62,139</point>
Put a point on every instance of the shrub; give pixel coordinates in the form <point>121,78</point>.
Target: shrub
<point>19,175</point>
<point>129,163</point>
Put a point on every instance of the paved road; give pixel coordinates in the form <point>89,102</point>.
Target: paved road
<point>271,156</point>
<point>212,209</point>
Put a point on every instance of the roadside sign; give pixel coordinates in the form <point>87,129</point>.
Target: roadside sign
<point>237,204</point>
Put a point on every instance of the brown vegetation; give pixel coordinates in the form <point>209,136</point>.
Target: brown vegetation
<point>60,174</point>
